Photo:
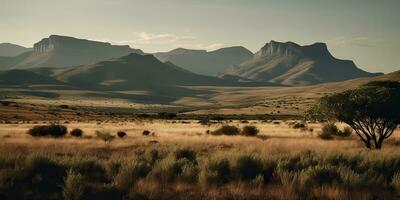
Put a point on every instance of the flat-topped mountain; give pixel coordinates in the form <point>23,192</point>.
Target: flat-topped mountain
<point>203,62</point>
<point>292,64</point>
<point>10,50</point>
<point>61,51</point>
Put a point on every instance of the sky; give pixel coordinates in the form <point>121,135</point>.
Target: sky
<point>365,31</point>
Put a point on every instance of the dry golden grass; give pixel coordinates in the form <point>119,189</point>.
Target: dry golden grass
<point>273,138</point>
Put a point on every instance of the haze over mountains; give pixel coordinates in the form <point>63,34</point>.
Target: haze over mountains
<point>207,63</point>
<point>61,51</point>
<point>291,64</point>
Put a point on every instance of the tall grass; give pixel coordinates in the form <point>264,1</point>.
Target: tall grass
<point>183,173</point>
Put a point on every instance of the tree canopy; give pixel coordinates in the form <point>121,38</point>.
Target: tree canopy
<point>372,110</point>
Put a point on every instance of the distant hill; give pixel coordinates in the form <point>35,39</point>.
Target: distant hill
<point>207,63</point>
<point>10,50</point>
<point>291,64</point>
<point>23,77</point>
<point>136,72</point>
<point>61,51</point>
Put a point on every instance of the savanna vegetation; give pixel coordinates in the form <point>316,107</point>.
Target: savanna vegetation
<point>336,153</point>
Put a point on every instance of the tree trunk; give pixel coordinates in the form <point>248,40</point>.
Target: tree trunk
<point>367,143</point>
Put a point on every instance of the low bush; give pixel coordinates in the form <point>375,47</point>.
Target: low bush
<point>216,172</point>
<point>204,122</point>
<point>329,129</point>
<point>186,153</point>
<point>146,133</point>
<point>226,130</point>
<point>346,132</point>
<point>121,134</point>
<point>130,173</point>
<point>53,130</point>
<point>325,135</point>
<point>247,167</point>
<point>74,186</point>
<point>250,131</point>
<point>76,132</point>
<point>105,136</point>
<point>299,125</point>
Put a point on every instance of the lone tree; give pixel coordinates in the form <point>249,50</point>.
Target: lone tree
<point>373,110</point>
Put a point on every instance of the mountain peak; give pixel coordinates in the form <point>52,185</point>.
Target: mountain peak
<point>181,50</point>
<point>279,48</point>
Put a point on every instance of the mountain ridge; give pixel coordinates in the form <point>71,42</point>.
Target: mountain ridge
<point>292,64</point>
<point>63,51</point>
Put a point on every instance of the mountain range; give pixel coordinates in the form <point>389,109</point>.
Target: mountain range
<point>292,64</point>
<point>204,62</point>
<point>61,51</point>
<point>97,65</point>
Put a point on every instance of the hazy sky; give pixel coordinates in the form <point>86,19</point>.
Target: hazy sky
<point>366,31</point>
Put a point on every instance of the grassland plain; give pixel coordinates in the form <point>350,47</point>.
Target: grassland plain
<point>181,161</point>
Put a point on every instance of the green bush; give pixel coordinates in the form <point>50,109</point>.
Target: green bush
<point>226,130</point>
<point>250,131</point>
<point>53,130</point>
<point>76,132</point>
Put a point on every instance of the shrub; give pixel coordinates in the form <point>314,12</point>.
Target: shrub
<point>325,135</point>
<point>53,130</point>
<point>346,132</point>
<point>130,173</point>
<point>152,156</point>
<point>321,175</point>
<point>204,122</point>
<point>299,125</point>
<point>186,153</point>
<point>248,167</point>
<point>250,131</point>
<point>226,130</point>
<point>76,132</point>
<point>216,172</point>
<point>170,169</point>
<point>329,128</point>
<point>73,186</point>
<point>41,174</point>
<point>146,133</point>
<point>105,136</point>
<point>396,181</point>
<point>121,134</point>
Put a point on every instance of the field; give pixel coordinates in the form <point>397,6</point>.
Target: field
<point>180,159</point>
